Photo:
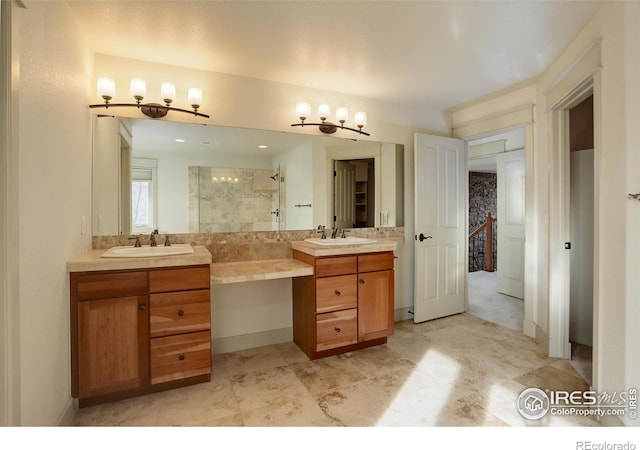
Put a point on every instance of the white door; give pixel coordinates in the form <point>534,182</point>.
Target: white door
<point>344,176</point>
<point>440,227</point>
<point>511,212</point>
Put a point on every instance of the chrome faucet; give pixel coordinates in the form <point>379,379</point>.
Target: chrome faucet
<point>334,232</point>
<point>321,229</point>
<point>153,238</point>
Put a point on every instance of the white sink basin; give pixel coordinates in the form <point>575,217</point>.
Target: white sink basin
<point>351,240</point>
<point>146,251</point>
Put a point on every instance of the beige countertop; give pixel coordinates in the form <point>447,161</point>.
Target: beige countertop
<point>269,269</point>
<point>93,261</point>
<point>382,245</point>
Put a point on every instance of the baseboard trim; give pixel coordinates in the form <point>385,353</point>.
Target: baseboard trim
<point>251,340</point>
<point>400,314</point>
<point>68,413</point>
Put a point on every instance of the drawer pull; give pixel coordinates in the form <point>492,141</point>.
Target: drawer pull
<point>143,307</point>
<point>338,293</point>
<point>181,313</point>
<point>181,357</point>
<point>361,281</point>
<point>337,329</point>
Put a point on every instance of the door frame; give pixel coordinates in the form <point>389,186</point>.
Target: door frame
<point>559,229</point>
<point>495,124</point>
<point>9,230</point>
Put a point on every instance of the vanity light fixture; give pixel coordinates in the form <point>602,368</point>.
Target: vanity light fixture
<point>107,90</point>
<point>303,111</point>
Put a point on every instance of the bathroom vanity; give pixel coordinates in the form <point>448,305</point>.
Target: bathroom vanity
<point>348,302</point>
<point>138,325</point>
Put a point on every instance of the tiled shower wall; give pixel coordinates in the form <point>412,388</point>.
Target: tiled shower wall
<point>233,200</point>
<point>483,198</point>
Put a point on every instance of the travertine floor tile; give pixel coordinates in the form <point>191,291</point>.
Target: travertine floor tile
<point>455,371</point>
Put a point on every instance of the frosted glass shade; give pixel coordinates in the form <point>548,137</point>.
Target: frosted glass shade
<point>106,88</point>
<point>138,88</point>
<point>303,110</point>
<point>195,97</point>
<point>168,91</point>
<point>361,119</point>
<point>342,114</point>
<point>324,110</point>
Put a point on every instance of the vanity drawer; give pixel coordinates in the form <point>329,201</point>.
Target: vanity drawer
<point>336,293</point>
<point>179,312</point>
<point>181,279</point>
<point>181,356</point>
<point>338,265</point>
<point>375,261</point>
<point>336,329</point>
<point>110,285</point>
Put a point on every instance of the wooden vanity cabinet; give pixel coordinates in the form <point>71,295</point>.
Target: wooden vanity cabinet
<point>138,331</point>
<point>346,305</point>
<point>110,326</point>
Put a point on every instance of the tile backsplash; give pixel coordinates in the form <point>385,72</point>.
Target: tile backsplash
<point>245,246</point>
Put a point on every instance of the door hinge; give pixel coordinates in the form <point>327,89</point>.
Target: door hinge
<point>567,245</point>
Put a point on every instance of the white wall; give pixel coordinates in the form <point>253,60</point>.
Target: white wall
<point>295,166</point>
<point>106,176</point>
<point>581,189</point>
<point>54,182</point>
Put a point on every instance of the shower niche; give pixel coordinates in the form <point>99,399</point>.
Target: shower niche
<point>225,199</point>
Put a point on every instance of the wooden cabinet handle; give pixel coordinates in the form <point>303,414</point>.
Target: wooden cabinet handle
<point>361,281</point>
<point>142,307</point>
<point>181,313</point>
<point>337,329</point>
<point>338,293</point>
<point>181,357</point>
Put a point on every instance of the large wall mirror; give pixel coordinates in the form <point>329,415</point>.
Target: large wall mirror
<point>190,178</point>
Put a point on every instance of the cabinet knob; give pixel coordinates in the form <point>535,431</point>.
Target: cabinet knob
<point>338,293</point>
<point>181,313</point>
<point>361,281</point>
<point>181,357</point>
<point>143,307</point>
<point>337,329</point>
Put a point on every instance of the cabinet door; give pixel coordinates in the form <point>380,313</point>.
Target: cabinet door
<point>113,345</point>
<point>375,305</point>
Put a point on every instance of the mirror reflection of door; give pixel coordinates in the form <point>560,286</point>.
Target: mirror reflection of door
<point>354,187</point>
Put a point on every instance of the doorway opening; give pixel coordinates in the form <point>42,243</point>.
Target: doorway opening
<point>496,228</point>
<point>354,193</point>
<point>581,232</point>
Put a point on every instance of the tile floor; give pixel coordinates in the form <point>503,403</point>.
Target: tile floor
<point>487,303</point>
<point>455,371</point>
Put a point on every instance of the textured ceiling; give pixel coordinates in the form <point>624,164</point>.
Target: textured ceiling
<point>432,53</point>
